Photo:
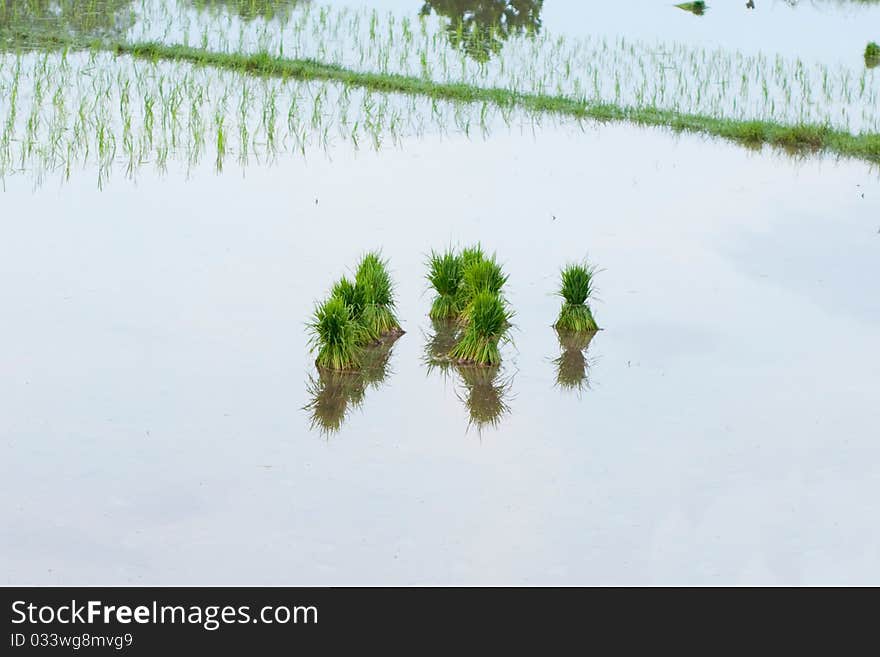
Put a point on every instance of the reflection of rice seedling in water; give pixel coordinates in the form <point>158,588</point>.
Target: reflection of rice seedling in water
<point>488,321</point>
<point>249,9</point>
<point>572,364</point>
<point>374,362</point>
<point>697,8</point>
<point>335,336</point>
<point>335,393</point>
<point>484,395</point>
<point>378,296</point>
<point>444,275</point>
<point>445,335</point>
<point>872,55</point>
<point>331,397</point>
<point>576,290</point>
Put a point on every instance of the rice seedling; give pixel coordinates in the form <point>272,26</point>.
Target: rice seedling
<point>354,299</point>
<point>445,275</point>
<point>335,336</point>
<point>576,289</point>
<point>697,8</point>
<point>480,274</point>
<point>248,9</point>
<point>872,55</point>
<point>356,315</point>
<point>457,278</point>
<point>471,255</point>
<point>488,323</point>
<point>374,281</point>
<point>175,65</point>
<point>572,364</point>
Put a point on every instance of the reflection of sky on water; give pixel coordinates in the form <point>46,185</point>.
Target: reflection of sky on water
<point>155,355</point>
<point>773,26</point>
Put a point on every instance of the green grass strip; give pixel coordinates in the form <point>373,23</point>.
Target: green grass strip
<point>793,138</point>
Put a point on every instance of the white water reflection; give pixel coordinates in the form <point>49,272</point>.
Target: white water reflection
<point>154,371</point>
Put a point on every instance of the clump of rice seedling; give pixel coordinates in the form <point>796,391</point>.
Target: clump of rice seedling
<point>488,321</point>
<point>458,277</point>
<point>444,275</point>
<point>576,290</point>
<point>353,297</point>
<point>472,254</point>
<point>698,8</point>
<point>335,336</point>
<point>357,314</point>
<point>373,279</point>
<point>872,55</point>
<point>482,275</point>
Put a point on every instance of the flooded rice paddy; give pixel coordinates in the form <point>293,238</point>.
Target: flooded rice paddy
<point>163,419</point>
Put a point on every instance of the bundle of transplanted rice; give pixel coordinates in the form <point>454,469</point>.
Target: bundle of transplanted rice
<point>698,8</point>
<point>457,277</point>
<point>872,55</point>
<point>358,314</point>
<point>336,336</point>
<point>487,325</point>
<point>469,291</point>
<point>576,290</point>
<point>480,275</point>
<point>377,290</point>
<point>444,275</point>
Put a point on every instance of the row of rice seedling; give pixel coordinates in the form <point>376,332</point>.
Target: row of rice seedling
<point>358,314</point>
<point>62,111</point>
<point>468,287</point>
<point>173,101</point>
<point>469,290</point>
<point>595,69</point>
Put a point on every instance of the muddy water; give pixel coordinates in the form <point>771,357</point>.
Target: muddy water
<point>155,374</point>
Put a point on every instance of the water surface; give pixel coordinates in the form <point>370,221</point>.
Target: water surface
<point>156,376</point>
